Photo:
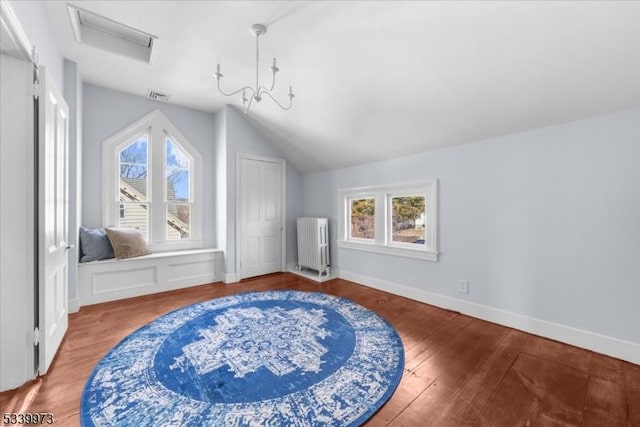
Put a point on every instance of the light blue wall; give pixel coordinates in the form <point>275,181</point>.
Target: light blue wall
<point>73,96</point>
<point>106,112</point>
<point>218,137</point>
<point>295,210</point>
<point>243,137</point>
<point>33,18</point>
<point>543,223</point>
<point>220,130</point>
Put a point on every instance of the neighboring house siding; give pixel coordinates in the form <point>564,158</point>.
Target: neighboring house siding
<point>173,234</point>
<point>135,216</point>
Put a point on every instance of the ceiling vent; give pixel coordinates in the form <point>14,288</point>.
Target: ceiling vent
<point>104,33</point>
<point>158,96</point>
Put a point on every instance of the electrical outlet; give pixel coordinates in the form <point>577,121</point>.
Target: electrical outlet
<point>463,286</point>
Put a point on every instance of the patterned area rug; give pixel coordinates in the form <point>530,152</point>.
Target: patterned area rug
<point>279,358</point>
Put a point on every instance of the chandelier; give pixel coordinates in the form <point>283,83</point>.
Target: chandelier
<point>256,93</point>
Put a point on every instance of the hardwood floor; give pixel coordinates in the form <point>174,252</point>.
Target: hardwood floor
<point>458,370</point>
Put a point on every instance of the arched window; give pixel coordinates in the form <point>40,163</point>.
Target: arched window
<point>153,182</point>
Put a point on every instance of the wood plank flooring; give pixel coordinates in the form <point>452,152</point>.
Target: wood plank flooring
<point>459,370</point>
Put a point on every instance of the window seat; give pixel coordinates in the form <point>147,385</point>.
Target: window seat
<point>114,279</point>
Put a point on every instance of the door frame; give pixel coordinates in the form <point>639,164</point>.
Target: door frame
<point>16,32</point>
<point>24,327</point>
<point>238,216</point>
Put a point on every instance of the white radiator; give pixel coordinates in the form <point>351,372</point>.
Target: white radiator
<point>313,244</point>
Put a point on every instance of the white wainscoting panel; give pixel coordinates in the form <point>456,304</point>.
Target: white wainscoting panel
<point>190,273</point>
<point>127,280</point>
<point>111,280</point>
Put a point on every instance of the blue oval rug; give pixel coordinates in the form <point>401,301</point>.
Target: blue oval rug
<point>278,358</point>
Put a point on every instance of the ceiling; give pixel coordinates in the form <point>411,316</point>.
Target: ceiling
<point>380,79</point>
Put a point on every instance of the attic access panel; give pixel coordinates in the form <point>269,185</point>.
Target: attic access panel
<point>103,33</point>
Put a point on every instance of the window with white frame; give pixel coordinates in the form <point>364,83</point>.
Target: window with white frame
<point>362,224</point>
<point>153,182</point>
<point>397,220</point>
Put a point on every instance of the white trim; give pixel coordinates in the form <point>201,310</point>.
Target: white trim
<point>382,242</point>
<point>405,252</point>
<point>283,212</point>
<point>14,28</point>
<point>114,279</point>
<point>283,219</point>
<point>229,278</point>
<point>74,305</point>
<point>159,125</point>
<point>603,344</point>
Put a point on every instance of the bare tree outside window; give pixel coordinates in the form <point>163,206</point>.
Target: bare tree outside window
<point>133,188</point>
<point>133,160</point>
<point>178,174</point>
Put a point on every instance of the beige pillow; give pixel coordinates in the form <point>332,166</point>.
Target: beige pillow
<point>127,242</point>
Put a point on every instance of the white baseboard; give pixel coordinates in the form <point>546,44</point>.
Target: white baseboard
<point>74,305</point>
<point>228,278</point>
<point>609,346</point>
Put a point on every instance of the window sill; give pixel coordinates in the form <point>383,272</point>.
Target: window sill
<point>152,256</point>
<point>421,254</point>
<point>178,245</point>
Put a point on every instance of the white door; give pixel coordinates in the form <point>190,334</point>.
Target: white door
<point>17,217</point>
<point>260,215</point>
<point>53,207</point>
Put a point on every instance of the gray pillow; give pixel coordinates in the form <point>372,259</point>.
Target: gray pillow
<point>95,245</point>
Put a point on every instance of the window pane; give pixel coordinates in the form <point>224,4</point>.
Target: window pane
<point>408,219</point>
<point>178,172</point>
<point>133,171</point>
<point>178,221</point>
<point>363,218</point>
<point>135,215</point>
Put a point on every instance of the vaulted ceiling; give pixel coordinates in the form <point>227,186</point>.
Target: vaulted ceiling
<point>380,79</point>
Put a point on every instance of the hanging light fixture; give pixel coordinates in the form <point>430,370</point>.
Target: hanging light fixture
<point>257,93</point>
